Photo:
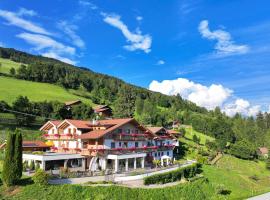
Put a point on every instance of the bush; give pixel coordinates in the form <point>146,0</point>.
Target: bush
<point>37,166</point>
<point>40,177</point>
<point>172,176</point>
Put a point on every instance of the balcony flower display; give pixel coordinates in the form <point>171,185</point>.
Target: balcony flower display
<point>78,149</point>
<point>46,135</point>
<point>132,148</point>
<point>68,134</point>
<point>65,149</point>
<point>118,149</point>
<point>54,148</point>
<point>56,135</point>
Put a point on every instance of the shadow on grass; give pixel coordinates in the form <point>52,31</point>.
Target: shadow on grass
<point>25,181</point>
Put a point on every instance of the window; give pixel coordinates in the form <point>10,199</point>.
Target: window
<point>128,131</point>
<point>69,130</point>
<point>168,153</point>
<point>168,142</point>
<point>136,131</point>
<point>74,130</point>
<point>158,153</point>
<point>53,131</point>
<point>112,145</point>
<point>119,130</point>
<point>125,144</point>
<point>162,153</point>
<point>120,144</point>
<point>155,154</point>
<point>136,144</point>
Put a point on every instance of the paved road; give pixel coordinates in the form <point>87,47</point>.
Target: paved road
<point>265,196</point>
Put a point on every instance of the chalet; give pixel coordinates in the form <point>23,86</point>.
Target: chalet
<point>103,110</point>
<point>263,151</point>
<point>32,146</point>
<point>112,144</point>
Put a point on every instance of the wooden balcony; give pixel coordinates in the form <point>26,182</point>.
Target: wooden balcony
<point>59,136</point>
<point>129,137</point>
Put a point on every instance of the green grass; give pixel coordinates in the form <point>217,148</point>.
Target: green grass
<point>235,174</point>
<point>190,132</point>
<point>7,64</point>
<point>11,88</point>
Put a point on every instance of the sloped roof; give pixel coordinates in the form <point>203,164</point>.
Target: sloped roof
<point>174,132</point>
<point>112,125</point>
<point>263,150</point>
<point>70,103</point>
<point>154,130</point>
<point>50,123</point>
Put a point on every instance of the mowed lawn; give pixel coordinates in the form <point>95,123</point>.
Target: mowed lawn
<point>190,132</point>
<point>242,178</point>
<point>6,65</point>
<point>11,88</point>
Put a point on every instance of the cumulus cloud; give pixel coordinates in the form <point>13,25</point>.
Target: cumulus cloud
<point>53,49</point>
<point>160,62</point>
<point>15,19</point>
<point>137,40</point>
<point>241,106</point>
<point>70,30</point>
<point>225,45</point>
<point>208,97</point>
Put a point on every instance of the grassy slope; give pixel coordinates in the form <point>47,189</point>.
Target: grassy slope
<point>190,132</point>
<point>7,64</point>
<point>235,175</point>
<point>11,88</point>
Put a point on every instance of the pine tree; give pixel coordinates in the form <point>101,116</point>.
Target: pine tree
<point>18,155</point>
<point>8,175</point>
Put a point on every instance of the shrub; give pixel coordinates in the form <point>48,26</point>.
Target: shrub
<point>37,166</point>
<point>40,177</point>
<point>172,176</point>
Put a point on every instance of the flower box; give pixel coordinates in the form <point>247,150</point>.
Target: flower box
<point>56,135</point>
<point>46,135</point>
<point>65,149</point>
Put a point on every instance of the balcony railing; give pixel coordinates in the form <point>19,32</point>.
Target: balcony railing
<point>59,136</point>
<point>130,136</point>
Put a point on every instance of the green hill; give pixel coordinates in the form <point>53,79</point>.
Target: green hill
<point>11,88</point>
<point>7,64</point>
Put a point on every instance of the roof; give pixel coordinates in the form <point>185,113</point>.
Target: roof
<point>84,124</point>
<point>70,103</point>
<point>49,124</point>
<point>174,132</point>
<point>154,130</point>
<point>36,143</point>
<point>263,150</point>
<point>101,108</point>
<point>112,125</point>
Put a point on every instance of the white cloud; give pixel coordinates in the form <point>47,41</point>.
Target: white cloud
<point>70,29</point>
<point>208,97</point>
<point>26,12</point>
<point>51,47</point>
<point>15,20</point>
<point>139,18</point>
<point>88,4</point>
<point>44,42</point>
<point>161,62</point>
<point>2,44</point>
<point>241,106</point>
<point>225,45</point>
<point>54,55</point>
<point>137,40</point>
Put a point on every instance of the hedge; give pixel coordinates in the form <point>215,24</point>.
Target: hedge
<point>172,176</point>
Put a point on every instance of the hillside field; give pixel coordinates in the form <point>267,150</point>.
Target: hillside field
<point>11,88</point>
<point>203,138</point>
<point>7,64</point>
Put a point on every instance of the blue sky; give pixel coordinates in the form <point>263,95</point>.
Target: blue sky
<point>214,53</point>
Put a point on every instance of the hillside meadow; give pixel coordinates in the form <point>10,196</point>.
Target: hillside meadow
<point>11,88</point>
<point>7,64</point>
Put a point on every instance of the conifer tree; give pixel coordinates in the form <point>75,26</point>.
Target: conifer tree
<point>18,155</point>
<point>8,175</point>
